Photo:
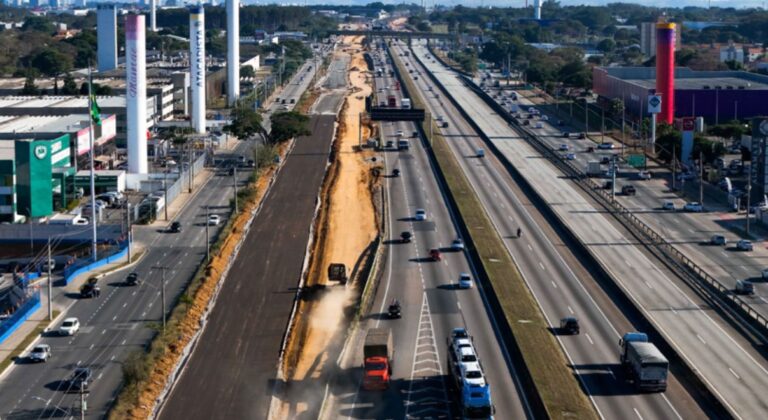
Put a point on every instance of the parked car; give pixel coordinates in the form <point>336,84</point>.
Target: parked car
<point>744,287</point>
<point>569,325</point>
<point>421,214</point>
<point>719,240</point>
<point>70,326</point>
<point>40,353</point>
<point>744,245</point>
<point>457,244</point>
<point>81,379</point>
<point>465,281</point>
<point>694,207</point>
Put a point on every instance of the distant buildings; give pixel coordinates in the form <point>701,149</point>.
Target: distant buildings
<point>648,39</point>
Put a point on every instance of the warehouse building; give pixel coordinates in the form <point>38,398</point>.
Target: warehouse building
<point>717,96</point>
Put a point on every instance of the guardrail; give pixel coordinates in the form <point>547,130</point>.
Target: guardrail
<point>688,270</point>
<point>9,326</point>
<point>73,271</point>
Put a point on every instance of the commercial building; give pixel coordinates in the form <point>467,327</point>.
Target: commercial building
<point>717,96</point>
<point>106,36</point>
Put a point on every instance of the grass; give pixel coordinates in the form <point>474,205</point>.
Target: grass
<point>32,336</point>
<point>553,380</point>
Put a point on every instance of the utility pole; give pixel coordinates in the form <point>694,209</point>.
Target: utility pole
<point>701,178</point>
<point>602,124</point>
<point>586,117</point>
<point>234,185</point>
<point>50,282</point>
<point>162,289</point>
<point>674,166</point>
<point>191,169</point>
<point>165,194</point>
<point>207,240</point>
<point>360,129</point>
<point>749,199</point>
<point>83,405</point>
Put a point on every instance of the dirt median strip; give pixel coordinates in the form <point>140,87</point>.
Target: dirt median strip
<point>545,365</point>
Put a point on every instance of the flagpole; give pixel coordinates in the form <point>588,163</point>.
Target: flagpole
<point>93,181</point>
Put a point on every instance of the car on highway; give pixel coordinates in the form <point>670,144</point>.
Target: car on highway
<point>390,144</point>
<point>395,173</point>
<point>399,133</point>
<point>465,281</point>
<point>480,153</point>
<point>214,220</point>
<point>570,156</point>
<point>406,236</point>
<point>645,175</point>
<point>718,240</point>
<point>435,255</point>
<point>70,326</point>
<point>565,135</point>
<point>80,380</point>
<point>693,207</point>
<point>605,146</point>
<point>457,244</point>
<point>394,309</point>
<point>439,118</point>
<point>175,227</point>
<point>544,118</point>
<point>132,279</point>
<point>40,353</point>
<point>764,274</point>
<point>628,190</point>
<point>420,215</point>
<point>569,325</point>
<point>744,245</point>
<point>744,287</point>
<point>90,289</point>
<point>582,135</point>
<point>563,148</point>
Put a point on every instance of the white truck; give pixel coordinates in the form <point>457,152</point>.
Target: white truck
<point>643,362</point>
<point>593,168</point>
<point>405,103</point>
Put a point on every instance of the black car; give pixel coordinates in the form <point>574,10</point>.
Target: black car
<point>582,135</point>
<point>628,190</point>
<point>132,279</point>
<point>80,380</point>
<point>395,173</point>
<point>406,236</point>
<point>175,227</point>
<point>90,289</point>
<point>569,325</point>
<point>394,309</point>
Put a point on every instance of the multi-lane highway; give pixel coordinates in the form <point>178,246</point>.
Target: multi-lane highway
<point>432,305</point>
<point>724,361</point>
<point>557,279</point>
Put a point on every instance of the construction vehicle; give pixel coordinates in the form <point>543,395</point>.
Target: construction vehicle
<point>378,356</point>
<point>644,363</point>
<point>338,272</point>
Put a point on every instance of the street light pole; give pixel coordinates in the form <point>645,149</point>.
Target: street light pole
<point>749,197</point>
<point>207,240</point>
<point>162,289</point>
<point>50,282</point>
<point>234,185</point>
<point>165,194</point>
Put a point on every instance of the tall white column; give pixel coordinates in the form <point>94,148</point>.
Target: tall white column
<point>197,64</point>
<point>153,15</point>
<point>136,93</point>
<point>233,51</point>
<point>537,9</point>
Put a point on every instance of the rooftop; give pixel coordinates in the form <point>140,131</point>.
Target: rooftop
<point>43,124</point>
<point>687,79</point>
<point>66,102</point>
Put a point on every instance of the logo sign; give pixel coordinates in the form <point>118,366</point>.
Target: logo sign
<point>689,124</point>
<point>654,104</point>
<point>41,151</point>
<point>760,127</point>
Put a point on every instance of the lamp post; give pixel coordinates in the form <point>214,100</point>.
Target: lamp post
<point>162,289</point>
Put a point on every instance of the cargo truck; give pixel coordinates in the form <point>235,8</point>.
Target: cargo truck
<point>405,103</point>
<point>378,357</point>
<point>593,168</point>
<point>391,101</point>
<point>643,362</point>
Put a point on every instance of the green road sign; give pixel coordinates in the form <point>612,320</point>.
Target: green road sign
<point>636,160</point>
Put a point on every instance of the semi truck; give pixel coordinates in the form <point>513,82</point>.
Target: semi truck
<point>644,363</point>
<point>378,356</point>
<point>473,391</point>
<point>392,101</point>
<point>593,168</point>
<point>405,103</point>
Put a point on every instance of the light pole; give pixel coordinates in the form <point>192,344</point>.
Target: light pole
<point>50,282</point>
<point>234,185</point>
<point>749,197</point>
<point>207,240</point>
<point>701,179</point>
<point>162,289</point>
<point>165,194</point>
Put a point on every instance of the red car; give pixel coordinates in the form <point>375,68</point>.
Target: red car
<point>434,253</point>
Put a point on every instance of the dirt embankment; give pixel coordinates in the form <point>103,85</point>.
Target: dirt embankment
<point>345,229</point>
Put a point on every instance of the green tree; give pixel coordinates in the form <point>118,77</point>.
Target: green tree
<point>247,71</point>
<point>53,63</point>
<point>70,87</point>
<point>607,45</point>
<point>729,130</point>
<point>30,89</point>
<point>287,125</point>
<point>246,123</point>
<point>39,24</point>
<point>617,107</point>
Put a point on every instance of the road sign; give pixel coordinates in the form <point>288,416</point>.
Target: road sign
<point>689,123</point>
<point>654,104</point>
<point>636,161</point>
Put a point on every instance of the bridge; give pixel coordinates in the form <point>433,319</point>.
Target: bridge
<point>396,34</point>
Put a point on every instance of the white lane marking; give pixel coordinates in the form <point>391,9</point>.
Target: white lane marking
<point>570,310</point>
<point>735,374</point>
<point>701,339</point>
<point>590,339</point>
<point>114,317</point>
<point>91,347</point>
<point>553,284</point>
<point>637,413</point>
<point>541,265</point>
<point>674,311</point>
<point>628,263</point>
<point>530,248</point>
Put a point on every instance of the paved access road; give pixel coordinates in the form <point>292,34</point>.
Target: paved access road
<point>118,322</point>
<point>562,286</point>
<point>688,231</point>
<point>232,370</point>
<point>431,304</point>
<point>731,368</point>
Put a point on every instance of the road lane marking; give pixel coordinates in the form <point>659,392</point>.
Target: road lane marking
<point>570,310</point>
<point>91,347</point>
<point>628,263</point>
<point>541,265</point>
<point>637,413</point>
<point>553,284</point>
<point>735,374</point>
<point>701,339</point>
<point>590,339</point>
<point>530,248</point>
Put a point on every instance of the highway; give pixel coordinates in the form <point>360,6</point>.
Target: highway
<point>690,232</point>
<point>730,367</point>
<point>562,286</point>
<point>431,304</point>
<point>121,320</point>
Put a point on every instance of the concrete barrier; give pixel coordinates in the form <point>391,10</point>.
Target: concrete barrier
<point>72,272</point>
<point>10,325</point>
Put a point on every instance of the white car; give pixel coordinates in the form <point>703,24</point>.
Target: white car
<point>40,353</point>
<point>214,220</point>
<point>570,156</point>
<point>421,214</point>
<point>70,326</point>
<point>744,245</point>
<point>457,244</point>
<point>644,175</point>
<point>465,281</point>
<point>694,207</point>
<point>668,205</point>
<point>399,133</point>
<point>439,118</point>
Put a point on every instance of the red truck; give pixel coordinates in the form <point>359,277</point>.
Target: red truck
<point>378,356</point>
<point>392,101</point>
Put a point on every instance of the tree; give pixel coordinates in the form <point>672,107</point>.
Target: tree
<point>30,88</point>
<point>617,107</point>
<point>247,71</point>
<point>51,62</point>
<point>39,24</point>
<point>287,125</point>
<point>246,123</point>
<point>70,87</point>
<point>729,130</point>
<point>607,45</point>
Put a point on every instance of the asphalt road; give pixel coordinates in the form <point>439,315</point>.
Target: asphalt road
<point>690,232</point>
<point>431,305</point>
<point>119,322</point>
<point>730,367</point>
<point>232,370</point>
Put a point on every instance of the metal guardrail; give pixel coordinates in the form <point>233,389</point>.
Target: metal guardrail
<point>688,270</point>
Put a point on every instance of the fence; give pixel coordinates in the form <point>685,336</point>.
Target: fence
<point>686,269</point>
<point>9,326</point>
<point>83,267</point>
